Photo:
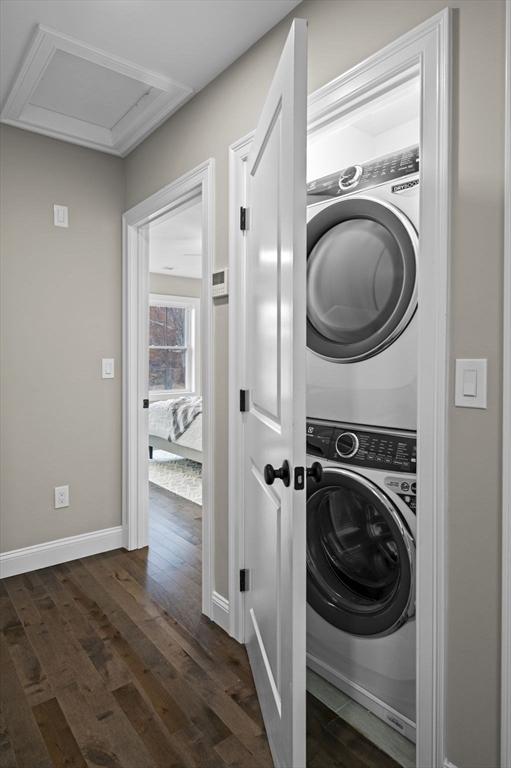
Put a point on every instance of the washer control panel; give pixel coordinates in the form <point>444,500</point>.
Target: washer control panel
<point>358,177</point>
<point>388,450</point>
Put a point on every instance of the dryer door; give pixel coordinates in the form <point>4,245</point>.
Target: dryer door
<point>361,278</point>
<point>360,556</point>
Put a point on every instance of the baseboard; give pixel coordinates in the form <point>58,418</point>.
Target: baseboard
<point>59,551</point>
<point>448,764</point>
<point>220,610</point>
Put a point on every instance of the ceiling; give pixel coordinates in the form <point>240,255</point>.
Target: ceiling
<point>105,73</point>
<point>175,240</point>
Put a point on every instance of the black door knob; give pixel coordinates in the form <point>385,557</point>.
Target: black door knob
<point>270,474</point>
<point>315,471</point>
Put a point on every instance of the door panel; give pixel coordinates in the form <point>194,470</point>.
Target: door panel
<point>274,426</point>
<point>264,268</point>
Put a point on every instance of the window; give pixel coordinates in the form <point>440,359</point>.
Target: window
<point>173,337</point>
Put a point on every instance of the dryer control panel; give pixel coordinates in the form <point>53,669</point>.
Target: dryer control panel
<point>388,450</point>
<point>359,177</point>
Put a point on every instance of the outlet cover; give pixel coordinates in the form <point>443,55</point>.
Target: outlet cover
<point>61,496</point>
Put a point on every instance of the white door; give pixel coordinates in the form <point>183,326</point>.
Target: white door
<point>274,432</point>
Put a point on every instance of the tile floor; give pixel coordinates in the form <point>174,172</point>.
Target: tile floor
<point>379,733</point>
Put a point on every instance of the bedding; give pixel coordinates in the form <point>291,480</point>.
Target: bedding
<point>172,419</point>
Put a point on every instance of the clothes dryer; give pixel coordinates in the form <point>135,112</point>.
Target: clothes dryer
<point>362,252</point>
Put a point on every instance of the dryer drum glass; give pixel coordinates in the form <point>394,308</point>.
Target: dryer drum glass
<point>361,279</point>
<point>354,279</point>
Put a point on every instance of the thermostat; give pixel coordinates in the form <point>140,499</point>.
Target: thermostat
<point>220,283</point>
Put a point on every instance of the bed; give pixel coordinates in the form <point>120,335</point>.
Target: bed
<point>163,416</point>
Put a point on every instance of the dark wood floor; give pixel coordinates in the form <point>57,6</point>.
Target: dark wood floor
<point>106,662</point>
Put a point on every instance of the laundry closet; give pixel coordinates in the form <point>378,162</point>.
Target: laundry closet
<point>363,189</point>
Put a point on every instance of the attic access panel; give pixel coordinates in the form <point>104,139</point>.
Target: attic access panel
<point>74,92</point>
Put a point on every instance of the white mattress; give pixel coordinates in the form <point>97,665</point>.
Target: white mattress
<point>159,426</point>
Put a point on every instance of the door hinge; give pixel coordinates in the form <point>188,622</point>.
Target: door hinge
<point>243,400</point>
<point>145,402</point>
<point>299,478</point>
<point>243,579</point>
<point>243,219</point>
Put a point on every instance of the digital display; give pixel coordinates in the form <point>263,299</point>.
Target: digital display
<point>218,278</point>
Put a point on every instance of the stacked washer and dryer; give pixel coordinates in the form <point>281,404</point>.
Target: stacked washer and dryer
<point>362,247</point>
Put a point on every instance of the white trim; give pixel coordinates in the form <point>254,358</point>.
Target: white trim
<point>238,154</point>
<point>198,182</point>
<point>425,50</point>
<point>59,551</point>
<point>220,610</point>
<point>164,96</point>
<point>506,422</point>
<point>448,764</point>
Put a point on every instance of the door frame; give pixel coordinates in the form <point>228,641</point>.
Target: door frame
<point>135,291</point>
<point>425,50</point>
<point>506,423</point>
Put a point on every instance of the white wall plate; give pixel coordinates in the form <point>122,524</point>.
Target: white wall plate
<point>72,91</point>
<point>470,383</point>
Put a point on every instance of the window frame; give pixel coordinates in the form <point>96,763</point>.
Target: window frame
<point>192,338</point>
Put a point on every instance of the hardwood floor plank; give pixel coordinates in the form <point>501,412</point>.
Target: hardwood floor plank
<point>9,619</point>
<point>147,727</point>
<point>99,650</point>
<point>33,678</point>
<point>22,732</point>
<point>216,699</point>
<point>198,711</point>
<point>100,728</point>
<point>58,737</point>
<point>7,756</point>
<point>180,650</point>
<point>166,707</point>
<point>123,671</point>
<point>220,706</point>
<point>194,751</point>
<point>234,754</point>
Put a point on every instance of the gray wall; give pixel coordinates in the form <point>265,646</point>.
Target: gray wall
<point>342,33</point>
<point>61,313</point>
<point>173,285</point>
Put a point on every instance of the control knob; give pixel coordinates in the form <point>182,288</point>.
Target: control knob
<point>350,177</point>
<point>347,445</point>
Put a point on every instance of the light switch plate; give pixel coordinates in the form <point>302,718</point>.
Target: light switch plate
<point>470,384</point>
<point>107,368</point>
<point>61,215</point>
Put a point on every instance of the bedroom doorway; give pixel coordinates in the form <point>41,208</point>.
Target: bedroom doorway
<point>174,375</point>
<point>167,381</point>
<point>174,242</point>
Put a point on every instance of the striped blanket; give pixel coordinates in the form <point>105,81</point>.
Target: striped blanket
<point>170,419</point>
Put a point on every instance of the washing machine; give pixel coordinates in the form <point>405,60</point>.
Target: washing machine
<point>362,251</point>
<point>361,534</point>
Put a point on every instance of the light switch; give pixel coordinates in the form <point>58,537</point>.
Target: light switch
<point>470,382</point>
<point>470,385</point>
<point>61,215</point>
<point>107,368</point>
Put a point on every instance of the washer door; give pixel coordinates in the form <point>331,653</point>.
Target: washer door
<point>361,278</point>
<point>360,556</point>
